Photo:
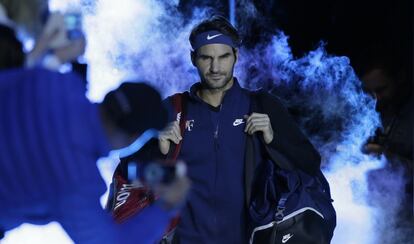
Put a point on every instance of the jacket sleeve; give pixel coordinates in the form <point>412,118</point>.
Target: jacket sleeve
<point>290,148</point>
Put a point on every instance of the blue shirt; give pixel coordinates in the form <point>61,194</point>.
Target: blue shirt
<point>213,148</point>
<point>51,137</point>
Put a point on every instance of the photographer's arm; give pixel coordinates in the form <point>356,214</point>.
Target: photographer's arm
<point>53,48</point>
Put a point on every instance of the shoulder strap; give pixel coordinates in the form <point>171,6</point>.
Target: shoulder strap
<point>179,102</point>
<point>250,152</point>
<point>254,103</point>
<point>257,105</point>
<point>293,150</point>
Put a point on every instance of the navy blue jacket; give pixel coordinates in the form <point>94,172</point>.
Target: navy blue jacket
<point>221,159</point>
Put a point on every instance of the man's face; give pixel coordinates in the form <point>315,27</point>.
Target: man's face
<point>215,64</point>
<point>380,85</point>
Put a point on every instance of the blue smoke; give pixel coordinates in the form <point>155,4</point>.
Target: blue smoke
<point>147,40</point>
<point>322,86</point>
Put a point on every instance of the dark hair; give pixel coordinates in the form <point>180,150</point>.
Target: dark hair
<point>11,50</point>
<point>217,23</point>
<point>135,107</point>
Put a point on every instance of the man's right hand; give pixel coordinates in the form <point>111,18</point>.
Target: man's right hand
<point>171,133</point>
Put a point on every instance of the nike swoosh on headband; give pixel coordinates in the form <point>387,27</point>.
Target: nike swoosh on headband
<point>213,36</point>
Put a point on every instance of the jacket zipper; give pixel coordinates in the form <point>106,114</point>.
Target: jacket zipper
<point>216,148</point>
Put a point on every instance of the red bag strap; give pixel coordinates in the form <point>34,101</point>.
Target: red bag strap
<point>179,102</point>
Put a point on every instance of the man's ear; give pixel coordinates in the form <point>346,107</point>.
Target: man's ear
<point>236,54</point>
<point>193,57</point>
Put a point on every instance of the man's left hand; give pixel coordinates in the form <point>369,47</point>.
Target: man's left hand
<point>373,148</point>
<point>259,122</point>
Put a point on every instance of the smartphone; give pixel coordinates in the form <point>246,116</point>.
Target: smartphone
<point>73,22</point>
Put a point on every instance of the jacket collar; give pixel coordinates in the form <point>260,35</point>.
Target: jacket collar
<point>235,88</point>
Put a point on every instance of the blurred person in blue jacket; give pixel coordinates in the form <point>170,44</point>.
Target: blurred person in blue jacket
<point>51,138</point>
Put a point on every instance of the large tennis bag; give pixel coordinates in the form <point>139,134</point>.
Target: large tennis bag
<point>293,207</point>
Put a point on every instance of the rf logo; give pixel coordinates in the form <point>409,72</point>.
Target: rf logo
<point>189,124</point>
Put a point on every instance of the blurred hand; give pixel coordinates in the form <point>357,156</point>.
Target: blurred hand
<point>173,195</point>
<point>259,122</point>
<point>171,133</point>
<point>72,51</point>
<point>55,32</point>
<point>53,36</point>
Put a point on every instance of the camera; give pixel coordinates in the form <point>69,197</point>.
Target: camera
<point>155,172</point>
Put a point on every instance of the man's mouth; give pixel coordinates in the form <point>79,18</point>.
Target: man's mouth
<point>215,77</point>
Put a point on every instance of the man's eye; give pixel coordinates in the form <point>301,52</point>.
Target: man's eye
<point>203,58</point>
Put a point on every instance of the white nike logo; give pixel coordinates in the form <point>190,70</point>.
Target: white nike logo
<point>238,122</point>
<point>212,37</point>
<point>286,238</point>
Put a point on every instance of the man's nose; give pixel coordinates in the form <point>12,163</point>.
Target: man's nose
<point>214,66</point>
